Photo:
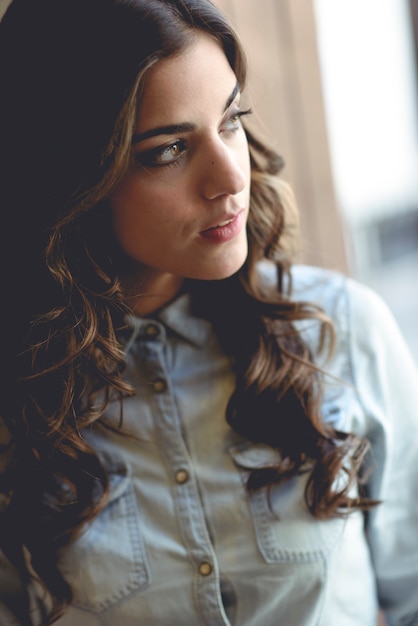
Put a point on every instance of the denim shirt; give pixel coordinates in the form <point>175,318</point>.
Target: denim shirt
<point>182,543</point>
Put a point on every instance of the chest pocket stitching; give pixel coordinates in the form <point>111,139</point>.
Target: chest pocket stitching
<point>285,530</point>
<point>112,539</point>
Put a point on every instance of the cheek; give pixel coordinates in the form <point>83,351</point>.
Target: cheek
<point>132,201</point>
<point>144,197</point>
<point>142,215</point>
<point>126,210</point>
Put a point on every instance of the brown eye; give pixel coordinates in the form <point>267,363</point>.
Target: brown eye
<point>170,153</point>
<point>233,122</point>
<point>163,155</point>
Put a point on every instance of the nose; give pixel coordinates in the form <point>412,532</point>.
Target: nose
<point>223,170</point>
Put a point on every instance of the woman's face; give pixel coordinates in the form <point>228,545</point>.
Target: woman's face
<point>181,211</point>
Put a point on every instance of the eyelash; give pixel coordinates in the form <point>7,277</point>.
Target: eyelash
<point>237,115</point>
<point>149,158</point>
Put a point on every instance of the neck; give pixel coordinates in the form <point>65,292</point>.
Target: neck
<point>149,290</point>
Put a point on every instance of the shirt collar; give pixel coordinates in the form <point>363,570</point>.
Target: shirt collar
<point>176,316</point>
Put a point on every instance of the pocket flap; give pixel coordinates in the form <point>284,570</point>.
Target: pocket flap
<point>251,456</point>
<point>118,484</point>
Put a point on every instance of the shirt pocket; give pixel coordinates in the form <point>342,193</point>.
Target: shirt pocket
<point>108,562</point>
<point>285,530</point>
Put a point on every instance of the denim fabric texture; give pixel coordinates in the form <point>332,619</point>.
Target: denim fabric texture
<point>181,542</point>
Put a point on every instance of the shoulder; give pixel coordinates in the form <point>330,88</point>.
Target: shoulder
<point>310,284</point>
<point>366,334</point>
<point>347,302</point>
<point>370,352</point>
<point>344,300</point>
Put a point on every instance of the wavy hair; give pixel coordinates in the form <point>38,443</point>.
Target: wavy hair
<point>72,74</point>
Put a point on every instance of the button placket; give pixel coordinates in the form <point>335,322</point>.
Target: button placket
<point>151,330</point>
<point>153,337</point>
<point>205,568</point>
<point>189,508</point>
<point>181,476</point>
<point>160,385</point>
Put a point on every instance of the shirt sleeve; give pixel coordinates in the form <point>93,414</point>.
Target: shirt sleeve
<point>386,379</point>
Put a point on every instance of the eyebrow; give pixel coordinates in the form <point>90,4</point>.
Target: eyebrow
<point>186,127</point>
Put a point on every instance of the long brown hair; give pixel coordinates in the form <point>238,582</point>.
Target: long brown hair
<point>71,75</point>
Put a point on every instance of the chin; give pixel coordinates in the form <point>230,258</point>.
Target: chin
<point>225,270</point>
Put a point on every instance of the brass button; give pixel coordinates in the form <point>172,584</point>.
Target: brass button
<point>182,476</point>
<point>205,569</point>
<point>160,385</point>
<point>152,330</point>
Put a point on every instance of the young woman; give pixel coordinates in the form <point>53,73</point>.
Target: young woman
<point>193,431</point>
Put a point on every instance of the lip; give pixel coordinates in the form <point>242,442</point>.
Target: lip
<point>225,229</point>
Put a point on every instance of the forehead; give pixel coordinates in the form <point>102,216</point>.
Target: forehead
<point>196,79</point>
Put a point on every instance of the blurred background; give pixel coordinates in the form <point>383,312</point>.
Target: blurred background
<point>334,84</point>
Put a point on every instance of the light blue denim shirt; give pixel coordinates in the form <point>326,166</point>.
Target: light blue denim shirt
<point>181,543</point>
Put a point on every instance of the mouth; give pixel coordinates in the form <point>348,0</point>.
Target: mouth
<point>221,224</point>
<point>225,229</point>
<point>228,219</point>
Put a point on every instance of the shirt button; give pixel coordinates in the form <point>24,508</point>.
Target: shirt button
<point>182,476</point>
<point>160,385</point>
<point>205,569</point>
<point>152,330</point>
